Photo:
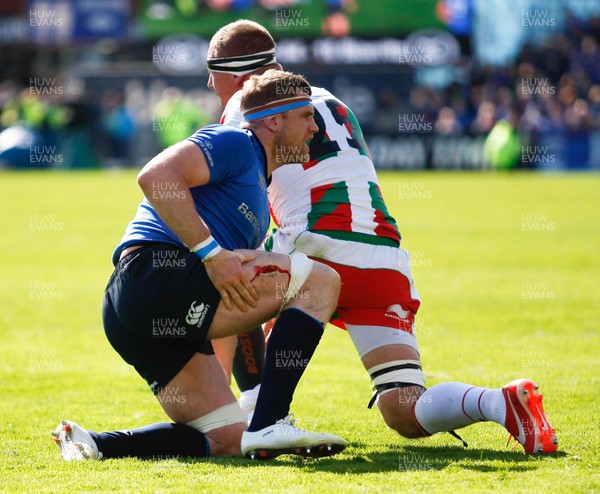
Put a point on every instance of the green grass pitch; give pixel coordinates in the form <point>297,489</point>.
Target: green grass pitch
<point>508,269</point>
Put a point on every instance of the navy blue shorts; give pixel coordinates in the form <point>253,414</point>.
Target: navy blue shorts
<point>158,306</point>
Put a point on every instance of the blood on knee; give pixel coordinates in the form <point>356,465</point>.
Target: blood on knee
<point>270,269</point>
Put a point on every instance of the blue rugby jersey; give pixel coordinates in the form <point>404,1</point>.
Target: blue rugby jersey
<point>233,203</point>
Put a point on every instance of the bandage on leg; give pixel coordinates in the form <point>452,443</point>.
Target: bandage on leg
<point>301,267</point>
<point>222,416</point>
<point>395,374</point>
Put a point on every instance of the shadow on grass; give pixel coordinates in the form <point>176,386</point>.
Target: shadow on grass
<point>400,458</point>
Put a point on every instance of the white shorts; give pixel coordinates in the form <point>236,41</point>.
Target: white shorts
<point>378,300</point>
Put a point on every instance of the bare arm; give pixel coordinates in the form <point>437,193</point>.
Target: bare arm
<point>175,171</point>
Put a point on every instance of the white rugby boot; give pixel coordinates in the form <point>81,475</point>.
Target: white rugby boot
<point>284,438</point>
<point>74,442</point>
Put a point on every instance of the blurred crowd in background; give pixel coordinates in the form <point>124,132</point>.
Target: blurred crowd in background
<point>85,129</point>
<point>541,108</point>
<point>547,97</point>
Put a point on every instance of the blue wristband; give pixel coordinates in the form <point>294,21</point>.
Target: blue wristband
<point>207,248</point>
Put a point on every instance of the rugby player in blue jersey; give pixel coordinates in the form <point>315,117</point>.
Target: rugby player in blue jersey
<point>186,273</point>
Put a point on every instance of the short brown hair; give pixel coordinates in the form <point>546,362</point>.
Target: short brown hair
<point>272,86</point>
<point>241,37</point>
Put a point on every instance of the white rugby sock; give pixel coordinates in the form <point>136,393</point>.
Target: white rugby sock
<point>450,406</point>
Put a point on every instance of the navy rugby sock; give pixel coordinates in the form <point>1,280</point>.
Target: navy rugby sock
<point>157,441</point>
<point>292,343</point>
<point>249,359</point>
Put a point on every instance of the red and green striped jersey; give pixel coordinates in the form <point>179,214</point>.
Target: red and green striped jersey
<point>336,193</point>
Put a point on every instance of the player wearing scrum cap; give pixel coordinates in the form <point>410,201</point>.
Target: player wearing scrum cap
<point>185,275</point>
<point>330,207</point>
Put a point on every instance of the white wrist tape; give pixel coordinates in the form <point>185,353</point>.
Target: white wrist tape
<point>207,248</point>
